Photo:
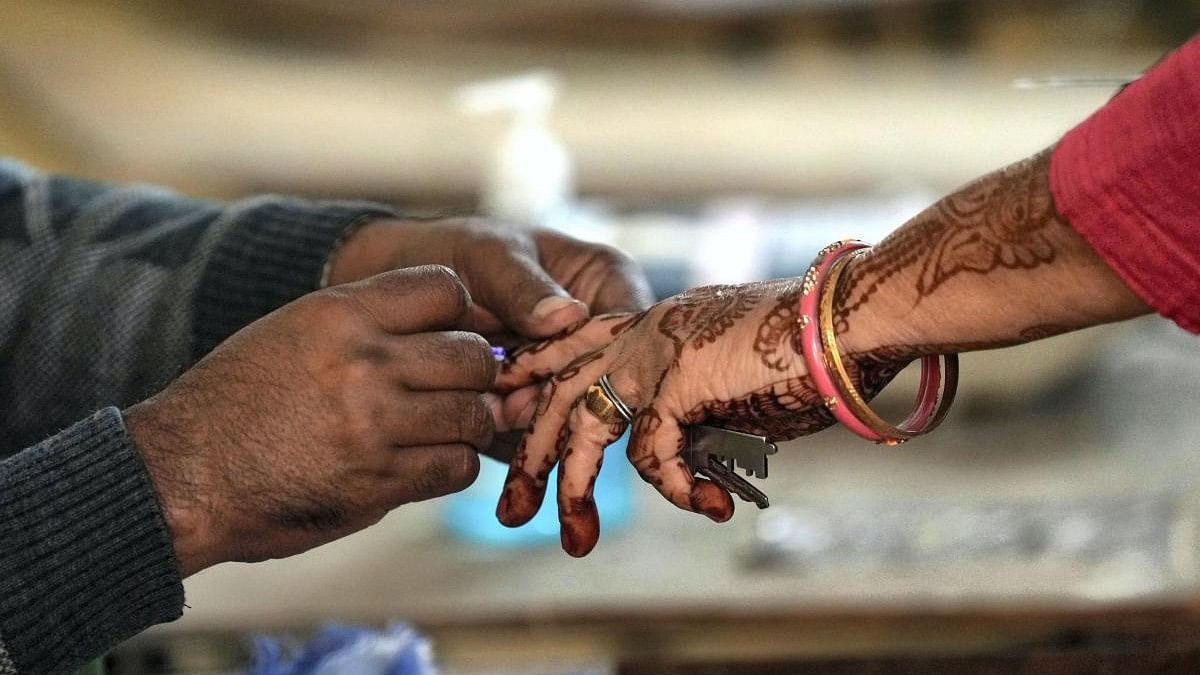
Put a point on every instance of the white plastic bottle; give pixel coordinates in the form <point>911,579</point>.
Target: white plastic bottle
<point>530,178</point>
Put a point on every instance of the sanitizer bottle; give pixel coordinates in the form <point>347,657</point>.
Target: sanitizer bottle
<point>530,178</point>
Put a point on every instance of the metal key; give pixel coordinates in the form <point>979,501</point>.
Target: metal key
<point>736,449</point>
<point>733,483</point>
<point>717,453</point>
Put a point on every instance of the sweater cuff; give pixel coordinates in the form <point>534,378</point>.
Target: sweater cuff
<point>271,251</point>
<point>87,560</point>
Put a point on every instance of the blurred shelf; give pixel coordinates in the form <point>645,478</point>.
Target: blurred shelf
<point>120,94</point>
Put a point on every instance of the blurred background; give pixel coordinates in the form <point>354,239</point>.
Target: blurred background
<point>717,140</point>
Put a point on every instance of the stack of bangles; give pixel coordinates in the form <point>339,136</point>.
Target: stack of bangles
<point>828,368</point>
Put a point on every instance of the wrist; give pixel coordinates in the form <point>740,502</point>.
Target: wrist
<point>193,533</point>
<point>878,320</point>
<point>368,247</point>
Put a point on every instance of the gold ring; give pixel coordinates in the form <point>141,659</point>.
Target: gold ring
<point>605,403</point>
<point>599,404</point>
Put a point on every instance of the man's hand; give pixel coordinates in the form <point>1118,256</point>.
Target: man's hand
<point>319,418</point>
<point>528,283</point>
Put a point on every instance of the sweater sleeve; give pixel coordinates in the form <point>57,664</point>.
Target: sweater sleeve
<point>1126,179</point>
<point>86,560</point>
<point>106,294</point>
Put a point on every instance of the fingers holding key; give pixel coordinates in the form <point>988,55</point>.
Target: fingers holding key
<point>655,450</point>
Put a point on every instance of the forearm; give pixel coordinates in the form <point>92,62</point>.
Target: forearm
<point>109,292</point>
<point>990,265</point>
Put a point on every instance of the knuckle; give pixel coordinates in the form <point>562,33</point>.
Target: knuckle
<point>328,304</point>
<point>441,274</point>
<point>474,352</point>
<point>611,256</point>
<point>445,283</point>
<point>342,308</point>
<point>453,470</point>
<point>477,425</point>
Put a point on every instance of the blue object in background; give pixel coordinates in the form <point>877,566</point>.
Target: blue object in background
<point>471,514</point>
<point>346,650</point>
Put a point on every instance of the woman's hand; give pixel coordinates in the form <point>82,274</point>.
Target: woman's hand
<point>990,265</point>
<point>726,355</point>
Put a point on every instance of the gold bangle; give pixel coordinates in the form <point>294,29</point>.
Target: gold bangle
<point>833,358</point>
<point>889,433</point>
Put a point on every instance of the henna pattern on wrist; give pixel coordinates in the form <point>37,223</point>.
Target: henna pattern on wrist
<point>778,338</point>
<point>1001,221</point>
<point>792,408</point>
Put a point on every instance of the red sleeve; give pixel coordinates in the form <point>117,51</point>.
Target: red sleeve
<point>1128,179</point>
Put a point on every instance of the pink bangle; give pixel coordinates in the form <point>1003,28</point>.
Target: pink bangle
<point>824,360</point>
<point>810,336</point>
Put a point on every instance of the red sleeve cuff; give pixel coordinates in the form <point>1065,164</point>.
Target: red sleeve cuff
<point>1128,179</point>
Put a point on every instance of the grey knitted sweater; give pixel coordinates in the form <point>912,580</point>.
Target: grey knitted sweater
<point>106,294</point>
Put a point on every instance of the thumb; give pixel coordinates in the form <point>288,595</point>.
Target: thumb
<point>513,286</point>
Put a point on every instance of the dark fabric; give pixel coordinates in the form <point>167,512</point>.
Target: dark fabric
<point>106,294</point>
<point>87,560</point>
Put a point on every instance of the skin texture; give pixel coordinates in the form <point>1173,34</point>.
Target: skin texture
<point>286,437</point>
<point>527,283</point>
<point>991,265</point>
<point>317,419</point>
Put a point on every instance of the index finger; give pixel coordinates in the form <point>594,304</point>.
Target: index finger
<point>540,360</point>
<point>412,300</point>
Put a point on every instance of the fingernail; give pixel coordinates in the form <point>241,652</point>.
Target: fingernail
<point>551,304</point>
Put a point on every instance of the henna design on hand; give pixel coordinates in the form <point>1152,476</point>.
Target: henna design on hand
<point>646,423</point>
<point>778,338</point>
<point>702,315</point>
<point>542,345</point>
<point>627,324</point>
<point>780,411</point>
<point>573,368</point>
